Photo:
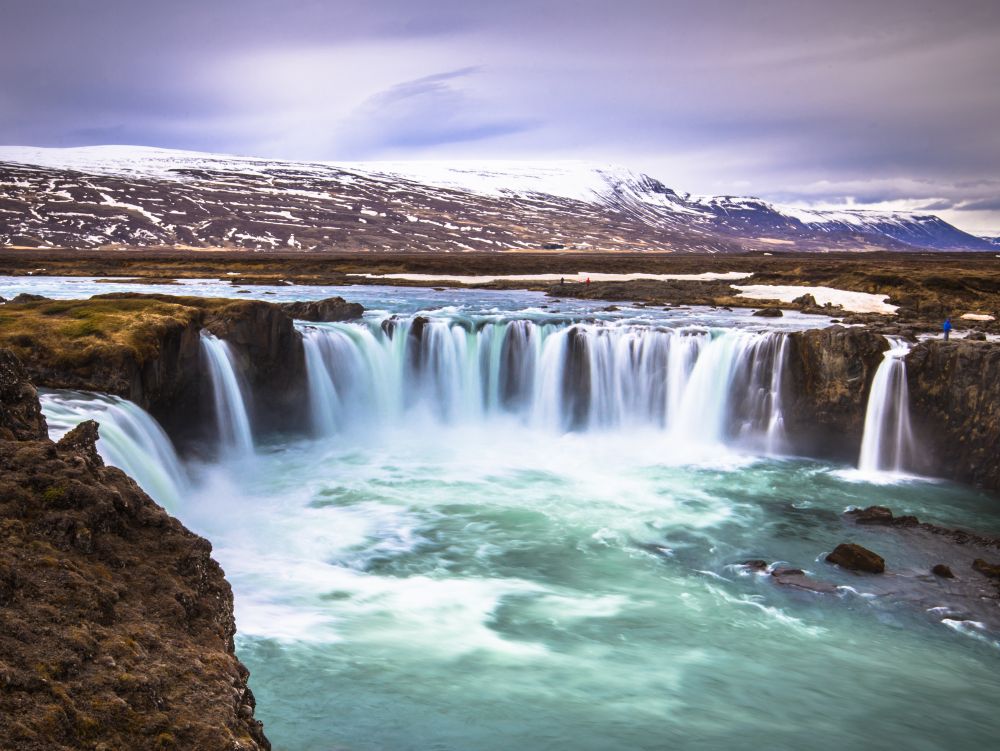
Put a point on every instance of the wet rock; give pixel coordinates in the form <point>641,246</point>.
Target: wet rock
<point>417,327</point>
<point>989,570</point>
<point>788,572</point>
<point>769,313</point>
<point>828,376</point>
<point>806,301</point>
<point>797,578</point>
<point>854,557</point>
<point>270,358</point>
<point>976,336</point>
<point>881,515</point>
<point>26,297</point>
<point>942,570</point>
<point>955,408</point>
<point>871,515</point>
<point>328,310</point>
<point>20,414</point>
<point>755,564</point>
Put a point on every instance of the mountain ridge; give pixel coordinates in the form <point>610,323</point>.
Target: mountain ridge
<point>114,196</point>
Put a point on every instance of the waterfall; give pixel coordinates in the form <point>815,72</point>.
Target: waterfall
<point>130,439</point>
<point>232,420</point>
<point>696,384</point>
<point>888,443</point>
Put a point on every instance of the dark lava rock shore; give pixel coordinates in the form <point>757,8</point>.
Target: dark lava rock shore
<point>116,626</point>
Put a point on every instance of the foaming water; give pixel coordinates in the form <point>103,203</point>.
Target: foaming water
<point>129,439</point>
<point>232,420</point>
<point>702,386</point>
<point>888,444</point>
<point>492,584</point>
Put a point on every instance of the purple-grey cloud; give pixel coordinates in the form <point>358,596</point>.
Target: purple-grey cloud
<point>871,103</point>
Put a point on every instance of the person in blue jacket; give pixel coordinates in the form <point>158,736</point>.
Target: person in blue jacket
<point>947,328</point>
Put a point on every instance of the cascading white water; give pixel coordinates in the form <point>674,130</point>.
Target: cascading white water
<point>231,416</point>
<point>130,439</point>
<point>888,442</point>
<point>699,385</point>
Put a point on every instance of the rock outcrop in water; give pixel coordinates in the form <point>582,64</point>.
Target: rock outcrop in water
<point>955,405</point>
<point>116,626</point>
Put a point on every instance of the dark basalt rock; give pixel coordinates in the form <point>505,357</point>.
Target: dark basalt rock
<point>116,626</point>
<point>955,408</point>
<point>768,313</point>
<point>27,297</point>
<point>943,571</point>
<point>328,310</point>
<point>797,578</point>
<point>871,515</point>
<point>82,440</point>
<point>21,417</point>
<point>854,557</point>
<point>989,570</point>
<point>828,378</point>
<point>881,515</point>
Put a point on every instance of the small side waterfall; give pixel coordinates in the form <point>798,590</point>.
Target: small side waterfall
<point>888,443</point>
<point>231,416</point>
<point>130,439</point>
<point>695,384</point>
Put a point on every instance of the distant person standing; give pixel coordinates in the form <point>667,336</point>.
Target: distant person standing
<point>947,328</point>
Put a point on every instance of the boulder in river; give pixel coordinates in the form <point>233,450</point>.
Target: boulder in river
<point>769,313</point>
<point>943,571</point>
<point>989,570</point>
<point>799,579</point>
<point>854,557</point>
<point>872,515</point>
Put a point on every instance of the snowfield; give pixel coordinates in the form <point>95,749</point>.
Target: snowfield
<point>853,302</point>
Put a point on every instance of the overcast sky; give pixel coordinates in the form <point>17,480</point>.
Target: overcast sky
<point>877,103</point>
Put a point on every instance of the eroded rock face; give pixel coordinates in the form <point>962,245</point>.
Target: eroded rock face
<point>829,376</point>
<point>955,406</point>
<point>21,416</point>
<point>271,357</point>
<point>324,311</point>
<point>116,626</point>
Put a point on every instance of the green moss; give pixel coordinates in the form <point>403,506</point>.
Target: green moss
<point>102,329</point>
<point>54,493</point>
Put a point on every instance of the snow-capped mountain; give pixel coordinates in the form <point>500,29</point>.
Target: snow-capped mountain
<point>113,196</point>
